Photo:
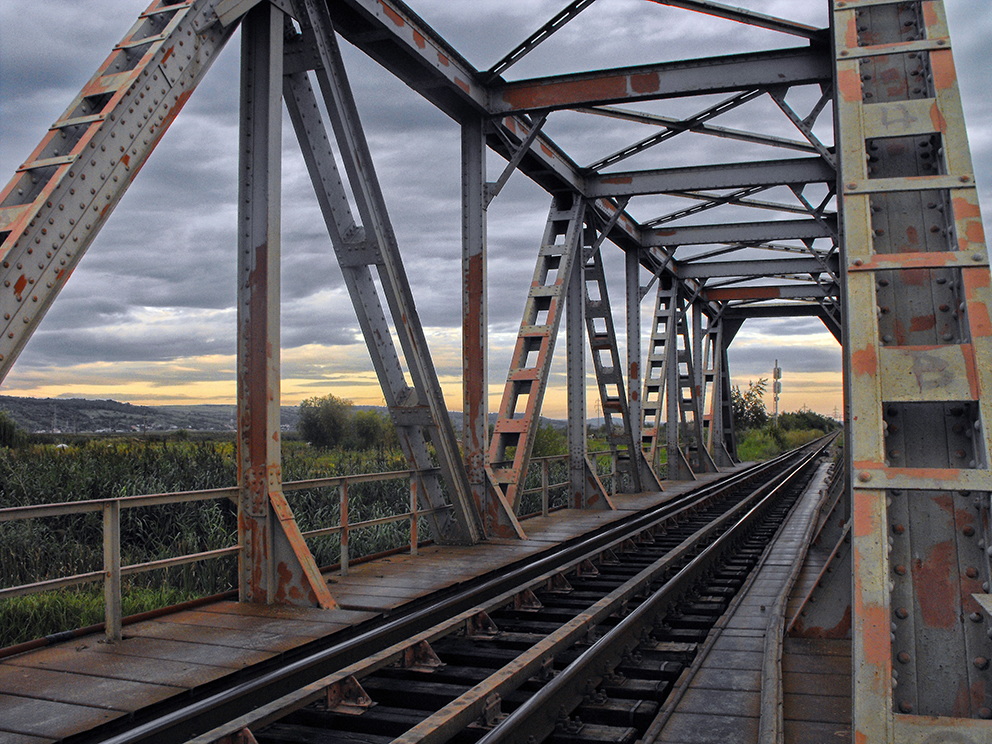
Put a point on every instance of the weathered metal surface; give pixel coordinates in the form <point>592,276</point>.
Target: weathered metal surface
<point>417,410</point>
<point>50,212</point>
<point>275,564</point>
<point>915,372</point>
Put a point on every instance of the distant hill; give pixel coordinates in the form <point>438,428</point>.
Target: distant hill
<point>80,415</point>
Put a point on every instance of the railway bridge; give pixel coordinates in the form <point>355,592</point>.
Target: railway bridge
<point>864,614</point>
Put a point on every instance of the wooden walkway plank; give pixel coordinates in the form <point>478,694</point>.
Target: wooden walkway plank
<point>186,674</point>
<point>78,689</point>
<point>47,719</point>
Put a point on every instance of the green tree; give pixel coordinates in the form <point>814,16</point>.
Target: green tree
<point>371,429</point>
<point>325,422</point>
<point>749,406</point>
<point>11,435</point>
<point>549,441</point>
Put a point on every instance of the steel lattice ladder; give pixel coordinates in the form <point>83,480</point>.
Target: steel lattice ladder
<point>527,379</point>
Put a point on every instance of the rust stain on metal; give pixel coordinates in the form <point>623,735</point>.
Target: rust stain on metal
<point>929,14</point>
<point>168,53</point>
<point>418,39</point>
<point>937,119</point>
<point>851,33</point>
<point>964,209</point>
<point>126,159</point>
<point>978,318</point>
<point>443,60</point>
<point>585,91</point>
<point>19,285</point>
<point>938,598</point>
<point>975,232</point>
<point>618,179</point>
<point>392,14</point>
<point>647,82</point>
<point>912,235</point>
<point>547,150</point>
<point>463,85</point>
<point>849,84</point>
<point>744,293</point>
<point>916,277</point>
<point>865,522</point>
<point>865,361</point>
<point>968,353</point>
<point>942,65</point>
<point>635,370</point>
<point>922,323</point>
<point>841,630</point>
<point>899,331</point>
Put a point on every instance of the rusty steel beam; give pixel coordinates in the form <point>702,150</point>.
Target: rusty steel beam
<point>275,564</point>
<point>757,267</point>
<point>418,410</point>
<point>758,174</point>
<point>694,77</point>
<point>770,292</point>
<point>749,17</point>
<point>61,196</point>
<point>743,232</point>
<point>915,373</point>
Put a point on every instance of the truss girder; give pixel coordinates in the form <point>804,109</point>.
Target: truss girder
<point>799,66</point>
<point>418,411</point>
<point>918,378</point>
<point>61,196</point>
<point>743,232</point>
<point>758,174</point>
<point>757,267</point>
<point>520,407</point>
<point>796,291</point>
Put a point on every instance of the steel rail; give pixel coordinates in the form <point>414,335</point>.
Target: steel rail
<point>216,707</point>
<point>536,718</point>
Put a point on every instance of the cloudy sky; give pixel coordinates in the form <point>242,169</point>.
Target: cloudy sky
<point>149,317</point>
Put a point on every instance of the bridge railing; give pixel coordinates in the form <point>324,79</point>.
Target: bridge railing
<point>546,471</point>
<point>113,571</point>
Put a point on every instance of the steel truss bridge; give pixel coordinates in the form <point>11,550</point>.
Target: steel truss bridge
<point>882,240</point>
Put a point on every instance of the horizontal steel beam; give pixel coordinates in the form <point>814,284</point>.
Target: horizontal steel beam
<point>794,310</point>
<point>766,173</point>
<point>405,45</point>
<point>695,77</point>
<point>771,292</point>
<point>756,267</point>
<point>749,17</point>
<point>747,232</point>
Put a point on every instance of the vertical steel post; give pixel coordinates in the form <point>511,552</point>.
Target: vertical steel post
<point>632,267</point>
<point>575,361</point>
<point>343,493</point>
<point>112,617</point>
<point>275,564</point>
<point>475,398</point>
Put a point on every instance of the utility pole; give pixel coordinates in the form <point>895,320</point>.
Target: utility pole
<point>776,389</point>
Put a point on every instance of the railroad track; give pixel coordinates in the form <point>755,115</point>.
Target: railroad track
<point>583,644</point>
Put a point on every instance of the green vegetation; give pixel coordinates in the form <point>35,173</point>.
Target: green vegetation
<point>758,438</point>
<point>331,421</point>
<point>39,549</point>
